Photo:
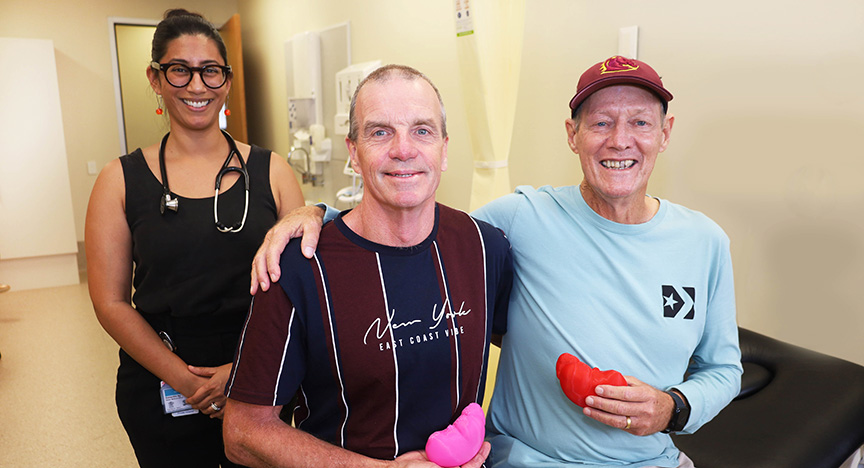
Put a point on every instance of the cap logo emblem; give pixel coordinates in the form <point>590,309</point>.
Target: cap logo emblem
<point>618,64</point>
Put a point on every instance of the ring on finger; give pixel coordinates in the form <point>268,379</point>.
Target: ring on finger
<point>216,408</point>
<point>628,423</point>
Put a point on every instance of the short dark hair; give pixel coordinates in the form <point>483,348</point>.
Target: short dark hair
<point>180,22</point>
<point>383,74</point>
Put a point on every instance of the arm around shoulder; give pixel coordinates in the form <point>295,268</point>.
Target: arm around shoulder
<point>305,222</point>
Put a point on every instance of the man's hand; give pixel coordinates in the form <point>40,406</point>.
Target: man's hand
<point>304,221</point>
<point>649,409</point>
<point>418,459</point>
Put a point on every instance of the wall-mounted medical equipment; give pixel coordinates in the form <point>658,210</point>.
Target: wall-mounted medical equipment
<point>354,192</point>
<point>306,64</point>
<point>309,151</point>
<point>310,148</point>
<point>347,80</point>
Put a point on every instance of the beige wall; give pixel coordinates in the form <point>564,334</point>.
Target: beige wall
<point>766,113</point>
<point>768,107</point>
<point>83,55</point>
<point>420,34</point>
<point>767,118</point>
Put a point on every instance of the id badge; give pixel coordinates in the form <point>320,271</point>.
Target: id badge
<point>174,403</point>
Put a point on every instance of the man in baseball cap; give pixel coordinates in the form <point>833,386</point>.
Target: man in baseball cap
<point>620,279</point>
<point>623,281</point>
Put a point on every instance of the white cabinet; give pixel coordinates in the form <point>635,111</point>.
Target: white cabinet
<point>37,228</point>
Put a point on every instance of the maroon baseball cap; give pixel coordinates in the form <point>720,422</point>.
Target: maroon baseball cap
<point>615,71</point>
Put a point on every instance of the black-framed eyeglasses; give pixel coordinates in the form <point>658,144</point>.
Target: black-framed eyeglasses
<point>180,75</point>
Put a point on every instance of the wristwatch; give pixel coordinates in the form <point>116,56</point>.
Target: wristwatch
<point>680,414</point>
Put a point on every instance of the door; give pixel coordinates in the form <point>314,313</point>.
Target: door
<point>230,32</point>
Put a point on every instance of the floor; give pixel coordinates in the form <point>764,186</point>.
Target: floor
<point>57,374</point>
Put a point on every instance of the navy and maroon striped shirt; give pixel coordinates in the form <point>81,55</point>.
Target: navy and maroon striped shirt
<point>382,345</point>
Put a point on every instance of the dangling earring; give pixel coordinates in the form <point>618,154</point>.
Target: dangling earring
<point>159,110</point>
<point>225,106</point>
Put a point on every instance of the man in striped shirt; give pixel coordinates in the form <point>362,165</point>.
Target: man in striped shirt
<point>383,335</point>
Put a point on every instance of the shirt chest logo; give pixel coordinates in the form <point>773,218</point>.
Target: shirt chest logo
<point>442,323</point>
<point>677,300</point>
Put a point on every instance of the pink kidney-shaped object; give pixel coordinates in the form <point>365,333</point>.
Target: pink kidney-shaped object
<point>460,441</point>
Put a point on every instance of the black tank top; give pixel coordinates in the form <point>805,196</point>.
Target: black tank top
<point>184,266</point>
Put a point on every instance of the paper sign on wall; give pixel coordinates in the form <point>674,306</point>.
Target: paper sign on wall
<point>464,22</point>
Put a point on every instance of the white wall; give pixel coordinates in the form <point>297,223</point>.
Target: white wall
<point>767,100</point>
<point>82,53</point>
<point>37,231</point>
<point>767,105</point>
<point>419,34</point>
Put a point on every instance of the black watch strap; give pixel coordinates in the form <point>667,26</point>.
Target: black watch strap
<point>680,414</point>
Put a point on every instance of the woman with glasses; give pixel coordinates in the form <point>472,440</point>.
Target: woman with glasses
<point>179,222</point>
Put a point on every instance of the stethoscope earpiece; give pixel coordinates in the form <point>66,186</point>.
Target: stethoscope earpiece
<point>226,168</point>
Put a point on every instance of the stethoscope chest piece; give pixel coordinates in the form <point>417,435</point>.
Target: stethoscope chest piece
<point>167,202</point>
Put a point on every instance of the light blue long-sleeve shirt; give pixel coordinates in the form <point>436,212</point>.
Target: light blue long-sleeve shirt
<point>653,300</point>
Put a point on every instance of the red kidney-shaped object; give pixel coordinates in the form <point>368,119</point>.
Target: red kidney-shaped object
<point>578,380</point>
<point>460,441</point>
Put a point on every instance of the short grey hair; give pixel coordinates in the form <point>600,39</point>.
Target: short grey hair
<point>384,74</point>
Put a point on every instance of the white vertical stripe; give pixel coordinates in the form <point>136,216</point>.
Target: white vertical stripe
<point>485,309</point>
<point>306,402</point>
<point>284,353</point>
<point>335,353</point>
<point>240,348</point>
<point>457,381</point>
<point>393,346</point>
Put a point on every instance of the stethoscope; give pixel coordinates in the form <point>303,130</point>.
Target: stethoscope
<point>172,203</point>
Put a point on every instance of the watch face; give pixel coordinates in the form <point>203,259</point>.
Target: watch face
<point>680,414</point>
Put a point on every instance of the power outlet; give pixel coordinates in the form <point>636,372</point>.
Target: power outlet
<point>628,42</point>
